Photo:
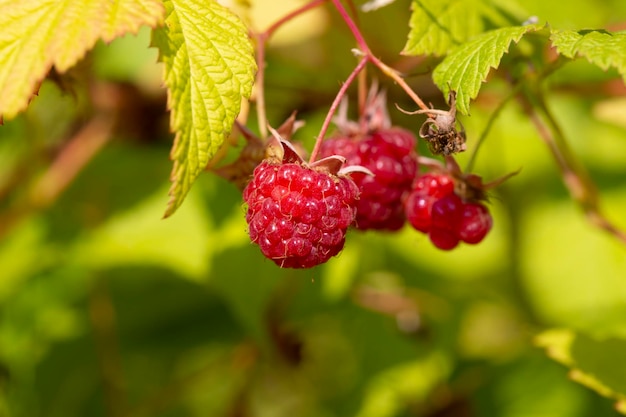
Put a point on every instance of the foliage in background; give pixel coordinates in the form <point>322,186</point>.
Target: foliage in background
<point>108,310</point>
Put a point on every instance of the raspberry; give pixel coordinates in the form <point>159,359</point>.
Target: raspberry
<point>387,152</point>
<point>432,207</point>
<point>446,212</point>
<point>445,218</point>
<point>443,239</point>
<point>418,209</point>
<point>475,223</point>
<point>298,215</point>
<point>435,185</point>
<point>427,189</point>
<point>389,155</point>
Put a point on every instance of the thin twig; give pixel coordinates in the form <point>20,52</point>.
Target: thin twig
<point>490,122</point>
<point>362,90</point>
<point>360,40</point>
<point>365,50</point>
<point>576,179</point>
<point>394,75</point>
<point>334,106</point>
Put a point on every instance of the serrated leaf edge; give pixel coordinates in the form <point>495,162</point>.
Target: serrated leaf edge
<point>463,99</point>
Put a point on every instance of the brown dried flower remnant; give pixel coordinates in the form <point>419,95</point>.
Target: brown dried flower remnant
<point>440,130</point>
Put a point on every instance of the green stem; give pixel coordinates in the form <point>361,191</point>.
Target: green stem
<point>492,118</point>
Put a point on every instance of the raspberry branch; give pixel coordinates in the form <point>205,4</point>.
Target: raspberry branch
<point>334,106</point>
<point>576,179</point>
<point>360,40</point>
<point>365,50</point>
<point>366,56</point>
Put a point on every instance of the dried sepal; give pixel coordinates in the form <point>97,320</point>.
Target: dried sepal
<point>256,150</point>
<point>375,114</point>
<point>440,130</point>
<point>373,118</point>
<point>281,150</point>
<point>238,172</point>
<point>469,186</point>
<point>347,170</point>
<point>331,164</point>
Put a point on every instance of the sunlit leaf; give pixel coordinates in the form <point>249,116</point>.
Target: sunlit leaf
<point>467,66</point>
<point>209,68</point>
<point>39,34</point>
<point>596,363</point>
<point>437,26</point>
<point>600,47</point>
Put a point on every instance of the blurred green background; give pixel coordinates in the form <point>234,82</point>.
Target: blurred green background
<point>106,309</point>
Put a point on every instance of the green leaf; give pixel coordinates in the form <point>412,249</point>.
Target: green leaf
<point>209,67</point>
<point>437,26</point>
<point>467,66</point>
<point>600,47</point>
<point>597,363</point>
<point>37,34</point>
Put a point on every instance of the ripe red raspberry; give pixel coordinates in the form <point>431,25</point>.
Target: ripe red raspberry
<point>443,239</point>
<point>432,207</point>
<point>445,219</point>
<point>475,223</point>
<point>427,189</point>
<point>298,215</point>
<point>388,152</point>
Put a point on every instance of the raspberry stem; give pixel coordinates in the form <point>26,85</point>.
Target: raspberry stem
<point>262,39</point>
<point>385,69</point>
<point>362,44</point>
<point>394,75</point>
<point>333,107</point>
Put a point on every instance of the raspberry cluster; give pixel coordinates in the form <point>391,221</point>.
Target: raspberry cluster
<point>432,207</point>
<point>298,215</point>
<point>389,154</point>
